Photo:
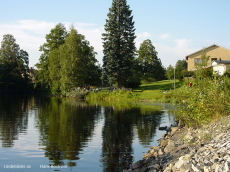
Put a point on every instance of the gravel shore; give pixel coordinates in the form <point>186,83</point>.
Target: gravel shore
<point>184,149</point>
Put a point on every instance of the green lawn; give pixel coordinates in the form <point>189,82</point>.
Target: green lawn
<point>159,85</point>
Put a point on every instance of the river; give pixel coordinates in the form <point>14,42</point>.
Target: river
<point>58,134</point>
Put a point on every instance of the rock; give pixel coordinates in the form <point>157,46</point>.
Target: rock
<point>167,169</point>
<point>187,166</point>
<point>170,146</point>
<point>137,164</point>
<point>161,151</point>
<point>163,128</point>
<point>196,168</point>
<point>218,136</point>
<point>194,152</point>
<point>174,129</point>
<point>164,143</point>
<point>227,165</point>
<point>156,166</point>
<point>182,160</point>
<point>207,169</point>
<point>183,169</point>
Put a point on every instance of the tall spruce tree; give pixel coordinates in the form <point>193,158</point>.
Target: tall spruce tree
<point>118,42</point>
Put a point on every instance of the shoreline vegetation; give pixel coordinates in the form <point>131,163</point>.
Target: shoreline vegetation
<point>205,102</point>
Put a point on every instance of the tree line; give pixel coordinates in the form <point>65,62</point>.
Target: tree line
<point>68,61</point>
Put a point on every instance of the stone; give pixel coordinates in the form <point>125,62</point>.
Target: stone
<point>196,168</point>
<point>167,169</point>
<point>227,164</point>
<point>183,169</point>
<point>179,163</point>
<point>156,166</point>
<point>164,143</point>
<point>161,151</point>
<point>170,146</point>
<point>226,143</point>
<point>218,136</point>
<point>174,169</point>
<point>137,164</point>
<point>207,169</point>
<point>187,166</point>
<point>174,129</point>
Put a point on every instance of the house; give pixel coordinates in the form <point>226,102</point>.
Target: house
<point>215,52</point>
<point>220,66</point>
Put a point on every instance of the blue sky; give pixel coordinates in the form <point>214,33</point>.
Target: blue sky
<point>176,28</point>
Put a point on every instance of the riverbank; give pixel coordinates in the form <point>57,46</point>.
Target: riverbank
<point>187,149</point>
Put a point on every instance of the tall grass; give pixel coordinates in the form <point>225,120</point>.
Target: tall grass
<point>206,101</point>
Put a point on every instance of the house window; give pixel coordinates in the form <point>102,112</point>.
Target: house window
<point>197,61</point>
<point>213,59</point>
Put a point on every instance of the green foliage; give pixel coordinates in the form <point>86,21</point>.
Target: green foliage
<point>181,66</point>
<point>49,62</point>
<point>118,43</point>
<point>149,64</point>
<point>152,92</point>
<point>204,102</point>
<point>201,71</point>
<point>227,73</point>
<point>116,96</point>
<point>67,62</point>
<point>160,85</point>
<point>170,72</point>
<point>14,65</point>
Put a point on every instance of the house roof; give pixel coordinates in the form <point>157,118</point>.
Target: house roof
<point>214,45</point>
<point>221,61</point>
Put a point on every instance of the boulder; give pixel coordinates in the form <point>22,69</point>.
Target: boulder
<point>170,146</point>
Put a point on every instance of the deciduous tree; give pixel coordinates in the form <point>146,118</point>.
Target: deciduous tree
<point>150,65</point>
<point>49,63</point>
<point>14,63</point>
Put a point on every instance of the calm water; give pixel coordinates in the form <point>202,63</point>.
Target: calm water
<point>58,134</point>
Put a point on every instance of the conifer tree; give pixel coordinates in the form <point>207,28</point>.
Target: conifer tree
<point>118,42</point>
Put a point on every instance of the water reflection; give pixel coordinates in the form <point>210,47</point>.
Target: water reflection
<point>13,118</point>
<point>66,127</point>
<point>118,135</point>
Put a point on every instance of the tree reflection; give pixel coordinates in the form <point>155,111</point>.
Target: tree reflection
<point>65,125</point>
<point>147,124</point>
<point>13,118</point>
<point>117,151</point>
<point>117,140</point>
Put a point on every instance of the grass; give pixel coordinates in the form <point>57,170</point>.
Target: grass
<point>208,100</point>
<point>146,92</point>
<point>159,85</point>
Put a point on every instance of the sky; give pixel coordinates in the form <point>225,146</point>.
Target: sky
<point>176,28</point>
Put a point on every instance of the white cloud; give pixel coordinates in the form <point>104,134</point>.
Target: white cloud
<point>143,35</point>
<point>163,36</point>
<point>30,34</point>
<point>178,51</point>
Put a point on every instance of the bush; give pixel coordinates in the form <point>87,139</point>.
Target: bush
<point>204,103</point>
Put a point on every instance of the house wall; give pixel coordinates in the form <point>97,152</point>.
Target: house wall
<point>221,69</point>
<point>213,52</point>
